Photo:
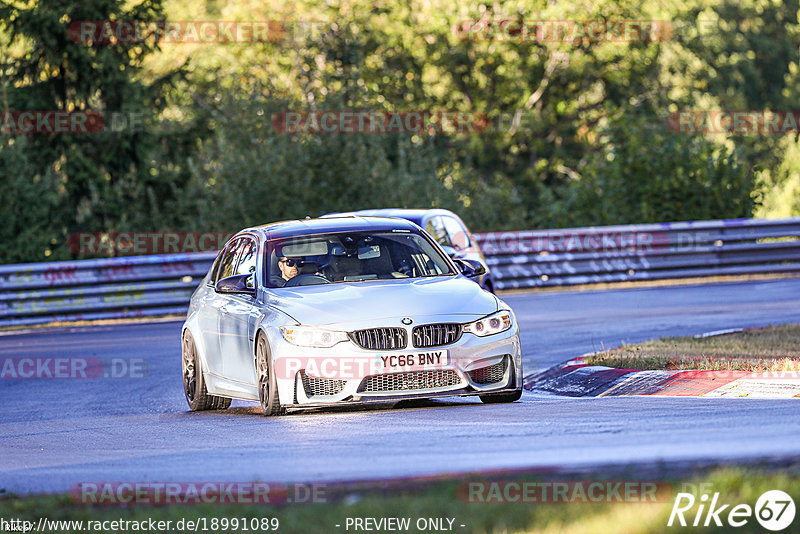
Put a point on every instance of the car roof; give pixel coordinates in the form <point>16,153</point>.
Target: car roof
<point>414,215</point>
<point>332,224</point>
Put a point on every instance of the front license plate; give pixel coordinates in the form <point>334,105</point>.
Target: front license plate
<point>411,361</point>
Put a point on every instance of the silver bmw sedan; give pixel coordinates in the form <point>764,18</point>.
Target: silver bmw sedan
<point>344,310</point>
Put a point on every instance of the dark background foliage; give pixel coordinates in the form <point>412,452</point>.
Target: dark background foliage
<point>590,145</point>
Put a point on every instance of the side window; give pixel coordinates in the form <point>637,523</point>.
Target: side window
<point>435,227</point>
<point>457,233</point>
<point>247,259</point>
<point>228,260</point>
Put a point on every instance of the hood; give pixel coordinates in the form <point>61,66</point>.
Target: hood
<point>365,302</point>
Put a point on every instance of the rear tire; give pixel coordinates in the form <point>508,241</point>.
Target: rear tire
<point>497,398</point>
<point>267,384</point>
<point>194,386</point>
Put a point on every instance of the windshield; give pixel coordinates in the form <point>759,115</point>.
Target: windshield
<point>353,257</point>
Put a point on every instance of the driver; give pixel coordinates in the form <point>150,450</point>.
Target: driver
<point>289,268</point>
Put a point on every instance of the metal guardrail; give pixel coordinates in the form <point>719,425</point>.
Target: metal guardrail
<point>139,286</point>
<point>642,252</point>
<point>110,288</point>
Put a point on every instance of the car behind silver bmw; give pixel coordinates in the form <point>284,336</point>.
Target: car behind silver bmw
<point>339,311</point>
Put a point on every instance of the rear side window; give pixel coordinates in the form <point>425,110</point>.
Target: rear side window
<point>436,229</point>
<point>457,233</point>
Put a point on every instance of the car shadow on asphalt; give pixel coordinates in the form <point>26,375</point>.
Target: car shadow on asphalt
<point>409,404</point>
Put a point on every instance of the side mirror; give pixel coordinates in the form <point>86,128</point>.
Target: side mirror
<point>236,284</point>
<point>470,268</point>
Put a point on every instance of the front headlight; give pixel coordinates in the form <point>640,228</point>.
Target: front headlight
<point>307,336</point>
<point>491,324</point>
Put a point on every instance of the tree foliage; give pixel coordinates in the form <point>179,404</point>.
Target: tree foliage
<point>578,131</point>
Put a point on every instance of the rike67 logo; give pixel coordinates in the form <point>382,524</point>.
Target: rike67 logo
<point>774,511</point>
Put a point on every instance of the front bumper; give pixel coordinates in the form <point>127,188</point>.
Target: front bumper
<point>476,365</point>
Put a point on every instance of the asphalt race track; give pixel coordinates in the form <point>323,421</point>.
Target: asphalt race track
<point>54,433</point>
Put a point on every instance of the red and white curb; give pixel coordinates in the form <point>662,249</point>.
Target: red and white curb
<point>575,378</point>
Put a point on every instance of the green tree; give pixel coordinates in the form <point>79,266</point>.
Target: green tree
<point>96,181</point>
<point>649,174</point>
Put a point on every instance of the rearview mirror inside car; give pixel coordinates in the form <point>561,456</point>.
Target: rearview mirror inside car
<point>370,252</point>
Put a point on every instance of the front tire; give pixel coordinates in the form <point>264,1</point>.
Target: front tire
<point>497,398</point>
<point>267,384</point>
<point>194,386</point>
<point>506,396</point>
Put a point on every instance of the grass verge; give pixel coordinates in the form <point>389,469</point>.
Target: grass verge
<point>735,485</point>
<point>774,348</point>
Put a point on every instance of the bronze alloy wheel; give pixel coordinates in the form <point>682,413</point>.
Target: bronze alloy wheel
<point>267,385</point>
<point>194,385</point>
